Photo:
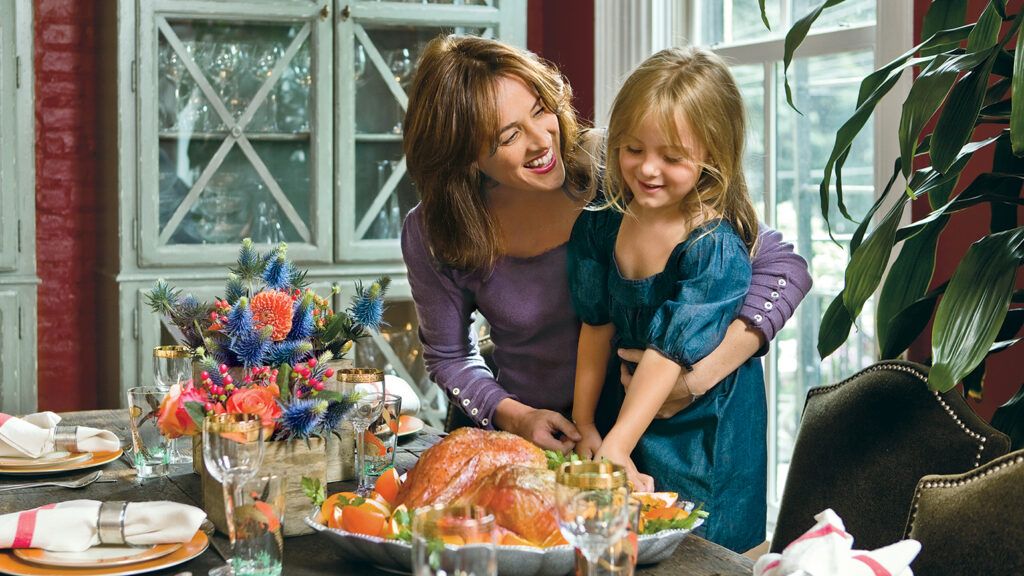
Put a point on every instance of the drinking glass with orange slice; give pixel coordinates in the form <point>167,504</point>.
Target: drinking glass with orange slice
<point>454,539</point>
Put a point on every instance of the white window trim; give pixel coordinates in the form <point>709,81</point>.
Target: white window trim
<point>627,31</point>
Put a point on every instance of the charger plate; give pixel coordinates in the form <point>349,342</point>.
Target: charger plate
<point>51,459</point>
<point>512,560</point>
<point>11,564</point>
<point>97,556</point>
<point>97,459</point>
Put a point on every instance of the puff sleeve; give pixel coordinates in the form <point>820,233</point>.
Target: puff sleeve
<point>715,270</point>
<point>589,255</point>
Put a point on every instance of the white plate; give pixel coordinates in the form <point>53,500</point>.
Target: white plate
<point>97,556</point>
<point>51,459</point>
<point>512,560</point>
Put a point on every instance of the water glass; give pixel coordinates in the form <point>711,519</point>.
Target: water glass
<point>173,365</point>
<point>592,502</point>
<point>450,540</point>
<point>259,506</point>
<point>620,558</point>
<point>149,446</point>
<point>382,436</point>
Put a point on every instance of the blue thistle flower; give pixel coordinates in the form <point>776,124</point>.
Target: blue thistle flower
<point>367,307</point>
<point>302,416</point>
<point>302,319</point>
<point>288,352</point>
<point>278,272</point>
<point>251,346</point>
<point>240,319</point>
<point>234,290</point>
<point>336,411</point>
<point>209,365</point>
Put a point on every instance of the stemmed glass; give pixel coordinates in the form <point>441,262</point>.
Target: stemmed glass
<point>401,65</point>
<point>592,502</point>
<point>232,453</point>
<point>172,365</point>
<point>366,385</point>
<point>262,67</point>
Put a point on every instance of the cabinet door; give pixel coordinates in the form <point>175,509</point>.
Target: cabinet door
<point>235,129</point>
<point>377,50</point>
<point>10,365</point>
<point>8,181</point>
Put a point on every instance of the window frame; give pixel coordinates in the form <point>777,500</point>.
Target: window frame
<point>626,31</point>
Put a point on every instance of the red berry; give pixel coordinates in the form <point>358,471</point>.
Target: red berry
<point>312,362</point>
<point>329,372</point>
<point>205,375</point>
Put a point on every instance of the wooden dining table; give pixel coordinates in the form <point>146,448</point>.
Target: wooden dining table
<point>303,555</point>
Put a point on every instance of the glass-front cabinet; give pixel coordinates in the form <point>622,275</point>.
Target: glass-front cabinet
<point>18,279</point>
<point>275,120</point>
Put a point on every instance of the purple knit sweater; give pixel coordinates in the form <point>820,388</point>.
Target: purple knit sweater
<point>533,325</point>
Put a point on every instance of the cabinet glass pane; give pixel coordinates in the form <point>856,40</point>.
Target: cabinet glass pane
<point>235,116</point>
<point>384,193</point>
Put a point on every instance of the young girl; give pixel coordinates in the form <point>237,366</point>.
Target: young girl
<point>663,264</point>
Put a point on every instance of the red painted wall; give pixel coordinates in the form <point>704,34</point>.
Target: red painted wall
<point>66,202</point>
<point>67,199</point>
<point>1004,375</point>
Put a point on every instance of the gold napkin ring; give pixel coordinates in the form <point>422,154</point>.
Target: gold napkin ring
<point>110,525</point>
<point>65,438</point>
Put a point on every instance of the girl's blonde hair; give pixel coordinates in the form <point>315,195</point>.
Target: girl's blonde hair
<point>696,86</point>
<point>452,116</point>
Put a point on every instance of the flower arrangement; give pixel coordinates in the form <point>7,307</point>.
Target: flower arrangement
<point>264,347</point>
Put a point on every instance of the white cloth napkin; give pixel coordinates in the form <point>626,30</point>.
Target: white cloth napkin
<point>32,436</point>
<point>827,550</point>
<point>71,526</point>
<point>399,387</point>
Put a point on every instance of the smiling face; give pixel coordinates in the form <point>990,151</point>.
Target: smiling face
<point>658,171</point>
<point>526,155</point>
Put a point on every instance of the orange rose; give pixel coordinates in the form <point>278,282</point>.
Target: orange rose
<point>260,401</point>
<point>172,418</point>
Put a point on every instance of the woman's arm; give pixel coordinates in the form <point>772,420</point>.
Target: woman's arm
<point>594,349</point>
<point>451,355</point>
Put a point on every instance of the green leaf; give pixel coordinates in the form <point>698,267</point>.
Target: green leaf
<point>1000,6</point>
<point>1009,418</point>
<point>835,327</point>
<point>974,382</point>
<point>974,306</point>
<point>868,262</point>
<point>909,323</point>
<point>956,121</point>
<point>942,15</point>
<point>862,228</point>
<point>986,30</point>
<point>1017,99</point>
<point>907,281</point>
<point>314,490</point>
<point>284,373</point>
<point>764,15</point>
<point>795,37</point>
<point>197,412</point>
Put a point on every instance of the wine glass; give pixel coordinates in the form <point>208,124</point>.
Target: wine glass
<point>592,502</point>
<point>232,453</point>
<point>262,68</point>
<point>401,65</point>
<point>366,386</point>
<point>172,366</point>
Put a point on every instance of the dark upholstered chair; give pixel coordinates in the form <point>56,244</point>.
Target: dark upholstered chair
<point>971,523</point>
<point>864,444</point>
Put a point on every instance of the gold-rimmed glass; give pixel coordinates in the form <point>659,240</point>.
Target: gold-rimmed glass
<point>232,452</point>
<point>592,500</point>
<point>366,385</point>
<point>172,365</point>
<point>454,539</point>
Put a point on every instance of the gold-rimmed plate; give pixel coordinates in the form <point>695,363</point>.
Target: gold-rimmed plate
<point>51,459</point>
<point>95,459</point>
<point>97,556</point>
<point>11,564</point>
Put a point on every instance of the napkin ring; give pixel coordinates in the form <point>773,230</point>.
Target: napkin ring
<point>110,524</point>
<point>65,438</point>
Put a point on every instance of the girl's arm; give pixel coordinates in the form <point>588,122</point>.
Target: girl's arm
<point>658,375</point>
<point>595,348</point>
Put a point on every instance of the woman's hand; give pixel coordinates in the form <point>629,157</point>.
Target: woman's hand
<point>545,428</point>
<point>680,396</point>
<point>590,440</point>
<point>641,482</point>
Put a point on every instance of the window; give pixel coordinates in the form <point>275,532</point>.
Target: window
<point>786,153</point>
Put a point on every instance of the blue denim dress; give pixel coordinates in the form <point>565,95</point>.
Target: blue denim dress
<point>715,451</point>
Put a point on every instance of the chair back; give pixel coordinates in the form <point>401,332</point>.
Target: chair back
<point>971,523</point>
<point>864,444</point>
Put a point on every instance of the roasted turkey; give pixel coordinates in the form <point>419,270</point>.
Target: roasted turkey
<point>522,500</point>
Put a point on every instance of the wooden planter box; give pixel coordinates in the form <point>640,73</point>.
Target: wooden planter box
<point>291,460</point>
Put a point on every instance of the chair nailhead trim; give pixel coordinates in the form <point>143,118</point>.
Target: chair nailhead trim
<point>963,480</point>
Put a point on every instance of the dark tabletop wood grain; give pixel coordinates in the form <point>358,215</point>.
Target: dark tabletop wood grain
<point>303,555</point>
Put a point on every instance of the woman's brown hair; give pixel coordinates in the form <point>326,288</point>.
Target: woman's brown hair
<point>452,116</point>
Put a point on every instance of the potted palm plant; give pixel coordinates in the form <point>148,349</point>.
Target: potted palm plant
<point>968,74</point>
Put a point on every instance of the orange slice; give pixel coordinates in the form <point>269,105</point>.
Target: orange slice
<point>388,484</point>
<point>651,500</point>
<point>363,520</point>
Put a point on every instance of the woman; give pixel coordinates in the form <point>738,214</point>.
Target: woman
<point>495,151</point>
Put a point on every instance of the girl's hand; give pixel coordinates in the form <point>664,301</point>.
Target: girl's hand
<point>589,442</point>
<point>678,399</point>
<point>641,482</point>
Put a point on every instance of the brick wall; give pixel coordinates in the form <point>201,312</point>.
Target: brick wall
<point>66,202</point>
